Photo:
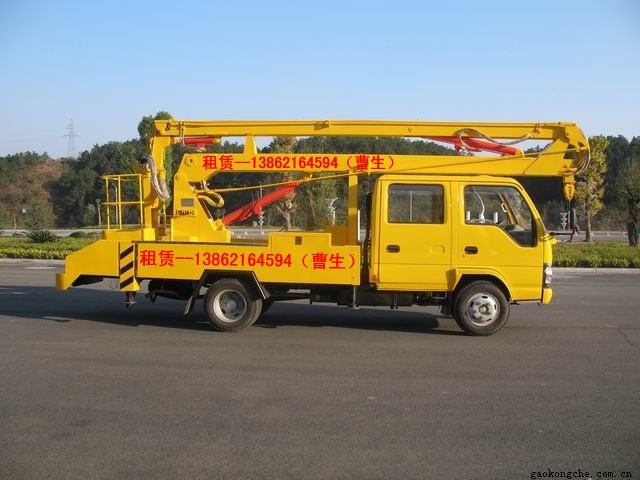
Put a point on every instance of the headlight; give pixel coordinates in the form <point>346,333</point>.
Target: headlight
<point>546,275</point>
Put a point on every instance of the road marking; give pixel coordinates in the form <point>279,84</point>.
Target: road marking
<point>38,268</point>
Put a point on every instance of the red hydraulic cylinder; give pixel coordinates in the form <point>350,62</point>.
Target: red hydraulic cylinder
<point>254,208</point>
<point>200,142</point>
<point>474,144</point>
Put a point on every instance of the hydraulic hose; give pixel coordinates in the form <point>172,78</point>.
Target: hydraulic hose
<point>159,185</point>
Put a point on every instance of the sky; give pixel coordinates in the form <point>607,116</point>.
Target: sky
<point>107,64</point>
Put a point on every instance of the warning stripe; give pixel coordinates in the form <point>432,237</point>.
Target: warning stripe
<point>127,251</point>
<point>127,262</point>
<point>126,268</point>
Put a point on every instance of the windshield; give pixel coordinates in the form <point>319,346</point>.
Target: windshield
<point>500,206</point>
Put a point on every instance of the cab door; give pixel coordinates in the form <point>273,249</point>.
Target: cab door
<point>414,235</point>
<point>498,236</point>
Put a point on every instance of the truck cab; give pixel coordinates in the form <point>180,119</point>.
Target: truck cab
<point>441,233</point>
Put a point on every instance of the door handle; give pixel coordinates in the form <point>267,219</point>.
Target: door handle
<point>471,250</point>
<point>393,248</point>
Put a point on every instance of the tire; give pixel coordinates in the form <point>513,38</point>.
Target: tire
<point>266,305</point>
<point>231,306</point>
<point>481,308</point>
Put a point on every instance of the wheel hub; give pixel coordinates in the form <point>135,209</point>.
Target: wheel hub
<point>483,309</point>
<point>230,305</point>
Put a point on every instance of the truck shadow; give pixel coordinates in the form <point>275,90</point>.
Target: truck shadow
<point>93,304</point>
<point>366,318</point>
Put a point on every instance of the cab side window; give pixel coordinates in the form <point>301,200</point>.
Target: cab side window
<point>503,207</point>
<point>415,204</point>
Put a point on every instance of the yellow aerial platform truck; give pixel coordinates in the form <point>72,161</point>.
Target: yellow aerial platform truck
<point>455,231</point>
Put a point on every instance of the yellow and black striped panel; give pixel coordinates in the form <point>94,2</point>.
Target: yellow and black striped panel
<point>127,268</point>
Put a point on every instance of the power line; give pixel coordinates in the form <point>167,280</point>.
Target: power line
<point>71,144</point>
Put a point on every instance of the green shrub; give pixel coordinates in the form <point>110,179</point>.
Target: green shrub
<point>41,236</point>
<point>78,234</point>
<point>24,248</point>
<point>596,255</point>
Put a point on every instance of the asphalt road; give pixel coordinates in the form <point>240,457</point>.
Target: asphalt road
<point>89,390</point>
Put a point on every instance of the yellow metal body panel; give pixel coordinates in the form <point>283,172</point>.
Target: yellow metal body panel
<point>519,266</point>
<point>423,257</point>
<point>132,234</point>
<point>339,234</point>
<point>102,258</point>
<point>313,259</point>
<point>99,258</point>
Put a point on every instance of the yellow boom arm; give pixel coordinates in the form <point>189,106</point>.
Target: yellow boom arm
<point>566,154</point>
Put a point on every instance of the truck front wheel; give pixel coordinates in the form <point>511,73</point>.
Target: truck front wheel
<point>231,306</point>
<point>481,308</point>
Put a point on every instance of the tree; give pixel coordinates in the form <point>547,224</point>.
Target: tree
<point>590,192</point>
<point>634,148</point>
<point>75,189</point>
<point>285,207</point>
<point>25,183</point>
<point>618,154</point>
<point>35,218</point>
<point>628,193</point>
<point>146,128</point>
<point>80,185</point>
<point>313,202</point>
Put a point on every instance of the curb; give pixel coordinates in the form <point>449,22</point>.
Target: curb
<point>595,271</point>
<point>31,261</point>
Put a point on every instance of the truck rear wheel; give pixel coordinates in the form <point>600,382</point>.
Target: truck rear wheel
<point>231,306</point>
<point>481,308</point>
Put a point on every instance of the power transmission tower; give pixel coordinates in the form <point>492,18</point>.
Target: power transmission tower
<point>71,145</point>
